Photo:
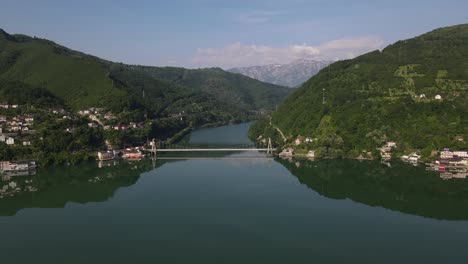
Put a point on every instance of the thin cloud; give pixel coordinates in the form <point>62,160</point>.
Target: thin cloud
<point>238,54</point>
<point>254,17</point>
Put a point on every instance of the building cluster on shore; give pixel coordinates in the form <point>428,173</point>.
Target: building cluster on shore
<point>133,153</point>
<point>451,164</point>
<point>9,169</point>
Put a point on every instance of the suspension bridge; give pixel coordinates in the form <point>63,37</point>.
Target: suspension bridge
<point>159,147</point>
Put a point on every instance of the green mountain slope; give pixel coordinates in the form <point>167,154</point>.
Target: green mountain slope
<point>82,80</point>
<point>386,95</point>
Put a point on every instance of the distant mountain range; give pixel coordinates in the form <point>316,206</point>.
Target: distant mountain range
<point>291,75</point>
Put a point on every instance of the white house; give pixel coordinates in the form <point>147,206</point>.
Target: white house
<point>288,152</point>
<point>414,157</point>
<point>26,143</point>
<point>391,144</point>
<point>298,141</point>
<point>10,141</point>
<point>421,96</point>
<point>438,97</point>
<point>446,154</point>
<point>461,154</point>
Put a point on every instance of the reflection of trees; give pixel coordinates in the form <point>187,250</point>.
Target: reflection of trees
<point>55,186</point>
<point>402,188</point>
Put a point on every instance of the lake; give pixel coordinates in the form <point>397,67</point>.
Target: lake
<point>234,208</point>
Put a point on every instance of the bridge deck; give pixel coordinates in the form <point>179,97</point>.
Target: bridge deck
<point>213,149</point>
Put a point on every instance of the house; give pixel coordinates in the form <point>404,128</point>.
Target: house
<point>446,154</point>
<point>438,97</point>
<point>3,138</point>
<point>385,155</point>
<point>414,157</point>
<point>10,141</point>
<point>4,105</point>
<point>14,106</point>
<point>310,140</point>
<point>391,144</point>
<point>17,166</point>
<point>120,127</point>
<point>311,154</point>
<point>287,152</point>
<point>460,154</point>
<point>298,141</point>
<point>92,125</point>
<point>3,119</point>
<point>458,162</point>
<point>108,116</point>
<point>83,112</point>
<point>457,138</point>
<point>25,128</point>
<point>29,119</point>
<point>422,96</point>
<point>26,143</point>
<point>106,155</point>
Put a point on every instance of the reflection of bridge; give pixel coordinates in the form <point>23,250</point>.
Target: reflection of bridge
<point>190,148</point>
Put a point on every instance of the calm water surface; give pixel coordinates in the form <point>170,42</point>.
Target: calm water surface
<point>241,210</point>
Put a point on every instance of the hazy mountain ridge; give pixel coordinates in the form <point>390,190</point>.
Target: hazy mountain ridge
<point>292,74</point>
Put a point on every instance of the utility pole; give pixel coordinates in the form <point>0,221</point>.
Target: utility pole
<point>323,96</point>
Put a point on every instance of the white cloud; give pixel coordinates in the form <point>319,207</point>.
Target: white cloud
<point>237,54</point>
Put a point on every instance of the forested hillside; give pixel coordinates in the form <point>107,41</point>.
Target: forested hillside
<point>81,81</point>
<point>413,92</point>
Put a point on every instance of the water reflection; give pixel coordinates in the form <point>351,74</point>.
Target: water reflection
<point>54,187</point>
<point>394,186</point>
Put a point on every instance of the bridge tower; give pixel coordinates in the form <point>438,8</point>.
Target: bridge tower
<point>269,148</point>
<point>153,147</point>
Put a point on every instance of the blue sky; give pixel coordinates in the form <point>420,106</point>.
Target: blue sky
<point>208,33</point>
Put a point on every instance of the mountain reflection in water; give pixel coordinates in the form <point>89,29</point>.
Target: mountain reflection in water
<point>401,187</point>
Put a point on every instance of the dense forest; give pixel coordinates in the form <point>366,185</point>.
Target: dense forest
<point>82,81</point>
<point>413,92</point>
